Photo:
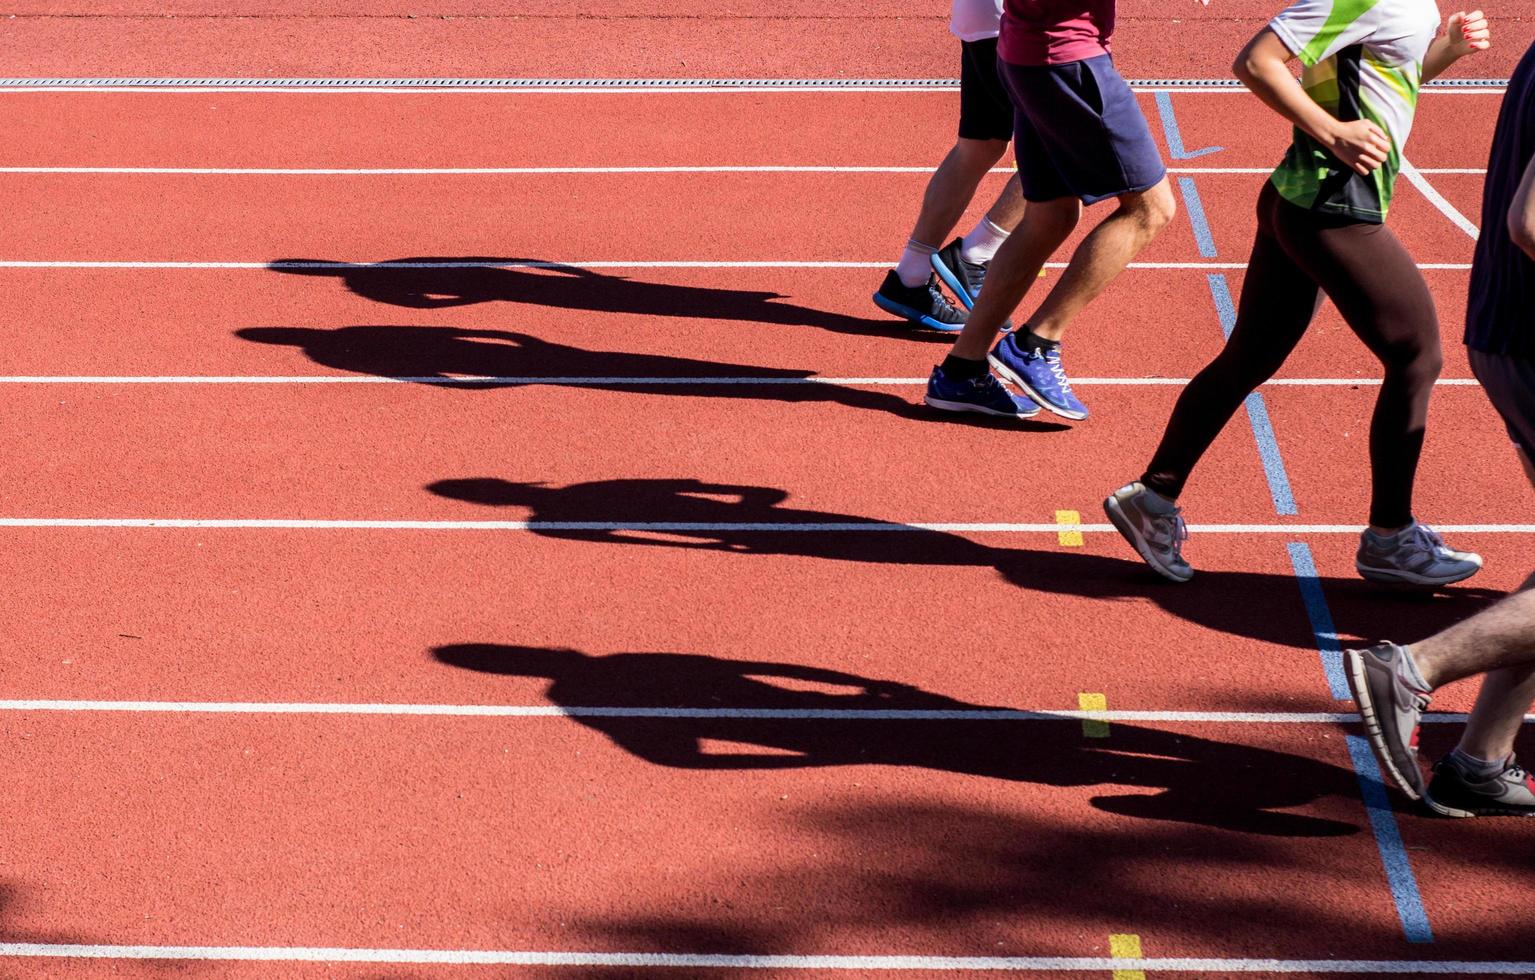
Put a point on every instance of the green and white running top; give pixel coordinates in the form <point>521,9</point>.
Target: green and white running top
<point>1363,60</point>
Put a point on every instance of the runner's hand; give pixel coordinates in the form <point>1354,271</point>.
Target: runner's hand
<point>1359,144</point>
<point>1469,33</point>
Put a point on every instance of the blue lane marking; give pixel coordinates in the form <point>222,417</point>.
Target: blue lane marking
<point>1174,135</point>
<point>1321,619</point>
<point>1388,838</point>
<point>1393,853</point>
<point>1257,410</point>
<point>1196,210</point>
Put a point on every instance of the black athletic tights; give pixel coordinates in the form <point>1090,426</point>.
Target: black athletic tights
<point>1365,271</point>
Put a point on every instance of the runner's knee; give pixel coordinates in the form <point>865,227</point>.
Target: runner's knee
<point>1154,209</point>
<point>1417,359</point>
<point>979,155</point>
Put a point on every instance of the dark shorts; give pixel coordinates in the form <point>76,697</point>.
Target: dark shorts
<point>1509,381</point>
<point>985,111</point>
<point>1078,132</point>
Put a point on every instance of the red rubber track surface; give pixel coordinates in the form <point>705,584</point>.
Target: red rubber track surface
<point>712,834</point>
<point>634,38</point>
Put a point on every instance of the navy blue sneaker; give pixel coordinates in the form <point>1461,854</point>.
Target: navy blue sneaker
<point>964,279</point>
<point>924,305</point>
<point>984,395</point>
<point>1039,375</point>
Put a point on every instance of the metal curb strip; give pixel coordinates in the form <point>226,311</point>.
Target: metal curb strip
<point>612,84</point>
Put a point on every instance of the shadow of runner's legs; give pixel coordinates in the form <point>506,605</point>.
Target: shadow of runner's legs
<point>429,354</point>
<point>1197,780</point>
<point>439,282</point>
<point>1259,605</point>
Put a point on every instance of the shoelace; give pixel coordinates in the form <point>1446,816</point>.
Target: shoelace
<point>1053,362</point>
<point>1518,773</point>
<point>988,384</point>
<point>1180,530</point>
<point>1428,538</point>
<point>941,304</point>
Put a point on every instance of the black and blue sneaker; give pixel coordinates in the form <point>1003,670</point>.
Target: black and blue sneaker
<point>984,395</point>
<point>1038,373</point>
<point>964,279</point>
<point>923,305</point>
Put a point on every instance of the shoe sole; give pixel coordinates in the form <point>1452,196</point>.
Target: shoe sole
<point>1386,576</point>
<point>1028,389</point>
<point>1450,811</point>
<point>1459,814</point>
<point>1359,686</point>
<point>1128,531</point>
<point>949,406</point>
<point>907,313</point>
<point>951,279</point>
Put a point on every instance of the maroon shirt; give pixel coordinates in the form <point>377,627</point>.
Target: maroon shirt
<point>1053,32</point>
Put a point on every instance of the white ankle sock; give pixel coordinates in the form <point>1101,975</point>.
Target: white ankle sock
<point>982,243</point>
<point>916,265</point>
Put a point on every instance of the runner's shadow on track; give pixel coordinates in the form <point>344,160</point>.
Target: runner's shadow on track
<point>566,287</point>
<point>1258,605</point>
<point>438,354</point>
<point>1199,781</point>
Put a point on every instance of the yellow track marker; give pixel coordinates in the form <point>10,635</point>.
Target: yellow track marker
<point>1126,946</point>
<point>1092,728</point>
<point>1073,538</point>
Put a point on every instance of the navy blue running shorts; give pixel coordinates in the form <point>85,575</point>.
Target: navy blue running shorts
<point>1078,132</point>
<point>985,111</point>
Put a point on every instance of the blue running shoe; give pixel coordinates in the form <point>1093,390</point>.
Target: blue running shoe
<point>1039,375</point>
<point>923,305</point>
<point>984,395</point>
<point>964,279</point>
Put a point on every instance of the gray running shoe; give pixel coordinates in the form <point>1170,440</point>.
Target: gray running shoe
<point>1453,792</point>
<point>1417,555</point>
<point>1391,709</point>
<point>1156,537</point>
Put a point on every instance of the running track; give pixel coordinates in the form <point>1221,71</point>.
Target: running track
<point>686,640</point>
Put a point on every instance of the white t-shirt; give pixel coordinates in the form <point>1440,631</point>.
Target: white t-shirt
<point>1363,60</point>
<point>975,20</point>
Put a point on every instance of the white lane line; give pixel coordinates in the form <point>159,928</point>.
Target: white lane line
<point>788,714</point>
<point>1428,190</point>
<point>534,171</point>
<point>669,527</point>
<point>602,264</point>
<point>601,380</point>
<point>618,85</point>
<point>1016,964</point>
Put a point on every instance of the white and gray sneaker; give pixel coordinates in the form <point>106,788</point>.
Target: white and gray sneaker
<point>1392,708</point>
<point>1456,792</point>
<point>1415,555</point>
<point>1153,526</point>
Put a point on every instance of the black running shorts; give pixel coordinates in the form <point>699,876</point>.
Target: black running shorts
<point>1509,381</point>
<point>985,111</point>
